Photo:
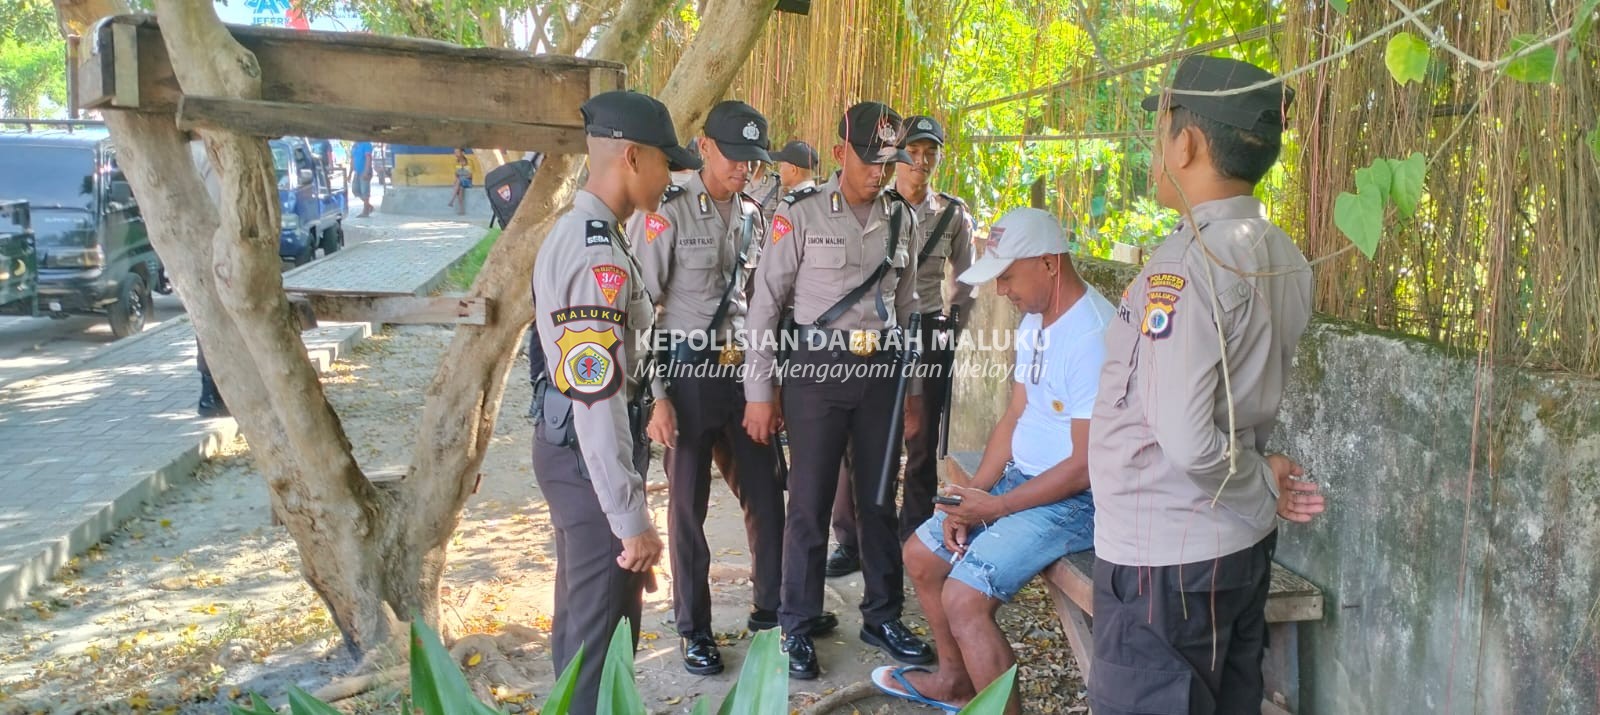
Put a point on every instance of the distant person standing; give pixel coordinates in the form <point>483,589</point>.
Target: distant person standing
<point>361,170</point>
<point>458,199</point>
<point>796,164</point>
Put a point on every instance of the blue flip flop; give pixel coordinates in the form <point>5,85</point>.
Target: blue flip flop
<point>882,674</point>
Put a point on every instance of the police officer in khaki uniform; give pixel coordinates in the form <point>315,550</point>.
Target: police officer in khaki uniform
<point>794,168</point>
<point>590,305</point>
<point>696,253</point>
<point>841,255</point>
<point>943,250</point>
<point>1184,490</point>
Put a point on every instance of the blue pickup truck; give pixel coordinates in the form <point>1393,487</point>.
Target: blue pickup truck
<point>312,199</point>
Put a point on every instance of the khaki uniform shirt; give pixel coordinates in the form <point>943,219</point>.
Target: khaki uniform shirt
<point>818,253</point>
<point>1159,439</point>
<point>686,254</point>
<point>954,250</point>
<point>590,307</point>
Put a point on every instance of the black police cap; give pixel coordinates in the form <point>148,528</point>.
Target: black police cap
<point>1261,109</point>
<point>638,118</point>
<point>872,129</point>
<point>739,131</point>
<point>798,153</point>
<point>921,127</point>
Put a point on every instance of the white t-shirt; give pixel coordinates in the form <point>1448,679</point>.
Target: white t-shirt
<point>1060,380</point>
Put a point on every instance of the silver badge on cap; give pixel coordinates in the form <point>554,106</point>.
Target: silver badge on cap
<point>886,131</point>
<point>752,132</point>
<point>925,125</point>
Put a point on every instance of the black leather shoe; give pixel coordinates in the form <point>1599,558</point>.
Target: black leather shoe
<point>700,654</point>
<point>822,625</point>
<point>211,404</point>
<point>843,561</point>
<point>899,642</point>
<point>802,658</point>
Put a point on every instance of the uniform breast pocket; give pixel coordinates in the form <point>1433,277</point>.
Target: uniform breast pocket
<point>698,258</point>
<point>828,260</point>
<point>1122,360</point>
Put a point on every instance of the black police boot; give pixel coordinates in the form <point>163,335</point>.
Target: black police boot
<point>843,561</point>
<point>761,619</point>
<point>700,654</point>
<point>802,658</point>
<point>211,404</point>
<point>899,642</point>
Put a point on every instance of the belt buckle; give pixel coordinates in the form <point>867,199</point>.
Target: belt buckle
<point>730,355</point>
<point>863,343</point>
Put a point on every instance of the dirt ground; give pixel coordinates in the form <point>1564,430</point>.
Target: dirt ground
<point>200,600</point>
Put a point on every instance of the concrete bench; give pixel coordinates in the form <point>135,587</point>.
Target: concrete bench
<point>1291,599</point>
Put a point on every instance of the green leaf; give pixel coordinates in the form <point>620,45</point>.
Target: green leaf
<point>1407,58</point>
<point>560,700</point>
<point>727,700</point>
<point>700,708</point>
<point>618,693</point>
<point>1406,189</point>
<point>1360,217</point>
<point>1340,6</point>
<point>1376,178</point>
<point>301,703</point>
<point>258,706</point>
<point>437,686</point>
<point>992,701</point>
<point>1537,67</point>
<point>1594,142</point>
<point>763,685</point>
<point>1585,21</point>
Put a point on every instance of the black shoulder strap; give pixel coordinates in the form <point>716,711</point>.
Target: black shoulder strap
<point>795,197</point>
<point>895,220</point>
<point>745,232</point>
<point>672,192</point>
<point>938,231</point>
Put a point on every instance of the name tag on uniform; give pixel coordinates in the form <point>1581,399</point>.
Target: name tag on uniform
<point>820,240</point>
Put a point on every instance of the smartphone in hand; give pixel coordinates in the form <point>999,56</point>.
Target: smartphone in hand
<point>947,500</point>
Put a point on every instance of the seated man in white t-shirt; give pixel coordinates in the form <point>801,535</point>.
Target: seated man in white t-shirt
<point>1029,503</point>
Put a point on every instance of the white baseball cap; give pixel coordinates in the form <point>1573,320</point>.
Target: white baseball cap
<point>1020,233</point>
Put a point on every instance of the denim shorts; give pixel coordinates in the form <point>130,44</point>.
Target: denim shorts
<point>1002,557</point>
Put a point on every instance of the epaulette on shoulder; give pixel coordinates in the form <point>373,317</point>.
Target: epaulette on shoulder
<point>953,199</point>
<point>672,192</point>
<point>795,197</point>
<point>596,233</point>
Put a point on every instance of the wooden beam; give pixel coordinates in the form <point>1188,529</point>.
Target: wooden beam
<point>313,81</point>
<point>402,310</point>
<point>273,119</point>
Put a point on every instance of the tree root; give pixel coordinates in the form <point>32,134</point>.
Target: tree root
<point>843,696</point>
<point>490,665</point>
<point>353,686</point>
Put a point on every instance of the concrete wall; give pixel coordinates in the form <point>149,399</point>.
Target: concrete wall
<point>1459,564</point>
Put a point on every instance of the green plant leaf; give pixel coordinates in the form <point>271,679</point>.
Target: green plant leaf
<point>301,703</point>
<point>763,685</point>
<point>437,686</point>
<point>1360,217</point>
<point>560,700</point>
<point>1406,57</point>
<point>1594,142</point>
<point>992,701</point>
<point>1377,178</point>
<point>1340,6</point>
<point>258,706</point>
<point>1406,188</point>
<point>700,708</point>
<point>618,693</point>
<point>1537,67</point>
<point>727,700</point>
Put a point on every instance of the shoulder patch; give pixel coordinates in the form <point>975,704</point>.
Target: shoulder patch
<point>596,233</point>
<point>1167,280</point>
<point>780,228</point>
<point>795,197</point>
<point>654,226</point>
<point>588,372</point>
<point>672,192</point>
<point>610,279</point>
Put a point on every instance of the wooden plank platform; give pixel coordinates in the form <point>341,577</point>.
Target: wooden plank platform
<point>341,85</point>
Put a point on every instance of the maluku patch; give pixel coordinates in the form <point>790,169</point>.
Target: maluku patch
<point>588,370</point>
<point>1159,309</point>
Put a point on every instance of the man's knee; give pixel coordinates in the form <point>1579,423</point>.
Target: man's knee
<point>921,563</point>
<point>967,607</point>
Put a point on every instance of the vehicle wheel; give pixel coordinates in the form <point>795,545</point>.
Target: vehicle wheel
<point>310,252</point>
<point>332,239</point>
<point>132,309</point>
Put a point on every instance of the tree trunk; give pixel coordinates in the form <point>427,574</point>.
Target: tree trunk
<point>369,551</point>
<point>707,68</point>
<point>575,32</point>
